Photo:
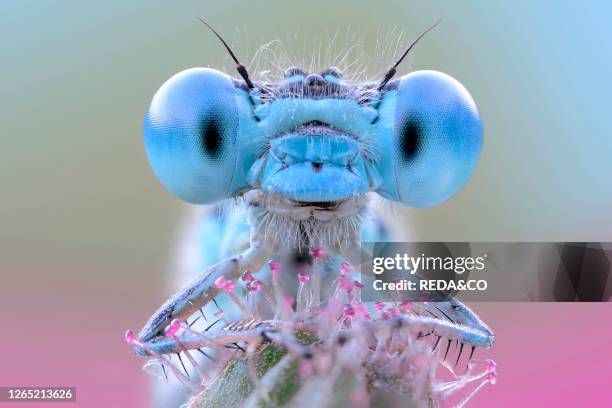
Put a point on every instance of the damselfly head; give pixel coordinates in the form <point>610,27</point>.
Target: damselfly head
<point>312,136</point>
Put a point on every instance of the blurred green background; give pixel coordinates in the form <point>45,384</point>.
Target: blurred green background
<point>84,223</point>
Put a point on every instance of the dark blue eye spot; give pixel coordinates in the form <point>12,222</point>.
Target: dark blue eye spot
<point>411,138</point>
<point>211,138</point>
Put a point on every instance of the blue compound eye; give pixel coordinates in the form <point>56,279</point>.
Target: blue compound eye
<point>191,135</point>
<point>436,139</point>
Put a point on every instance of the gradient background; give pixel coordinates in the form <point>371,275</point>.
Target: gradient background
<point>86,232</point>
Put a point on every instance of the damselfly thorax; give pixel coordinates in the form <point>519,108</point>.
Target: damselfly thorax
<point>297,224</point>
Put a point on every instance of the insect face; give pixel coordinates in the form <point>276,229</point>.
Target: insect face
<point>313,137</point>
<point>317,142</point>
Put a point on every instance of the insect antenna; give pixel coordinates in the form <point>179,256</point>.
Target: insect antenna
<point>239,67</point>
<point>393,68</point>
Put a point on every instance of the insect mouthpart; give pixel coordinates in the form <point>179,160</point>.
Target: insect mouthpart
<point>318,128</point>
<point>320,205</point>
<point>315,163</point>
<point>314,128</point>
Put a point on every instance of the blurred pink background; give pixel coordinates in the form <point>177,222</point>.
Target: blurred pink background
<point>547,354</point>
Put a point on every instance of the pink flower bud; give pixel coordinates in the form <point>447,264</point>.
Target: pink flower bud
<point>405,306</point>
<point>173,328</point>
<point>361,310</point>
<point>274,266</point>
<point>317,253</point>
<point>129,337</point>
<point>220,282</point>
<point>303,278</point>
<point>254,286</point>
<point>345,284</point>
<point>229,286</point>
<point>348,310</point>
<point>223,283</point>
